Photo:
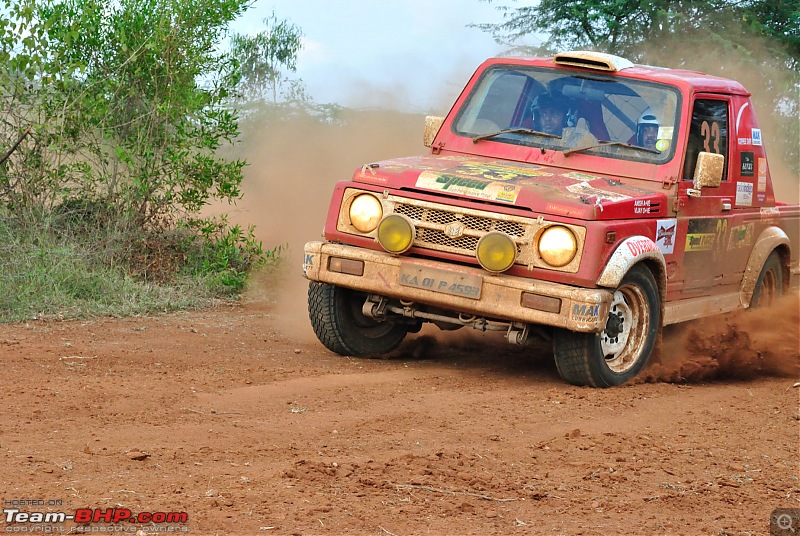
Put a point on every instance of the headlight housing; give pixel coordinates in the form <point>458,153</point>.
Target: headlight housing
<point>365,213</point>
<point>396,233</point>
<point>557,246</point>
<point>496,252</point>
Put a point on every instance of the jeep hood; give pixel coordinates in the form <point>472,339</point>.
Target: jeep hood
<point>541,189</point>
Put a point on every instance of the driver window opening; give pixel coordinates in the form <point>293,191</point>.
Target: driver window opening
<point>708,132</point>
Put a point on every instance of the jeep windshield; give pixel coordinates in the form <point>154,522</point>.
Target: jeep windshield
<point>595,114</point>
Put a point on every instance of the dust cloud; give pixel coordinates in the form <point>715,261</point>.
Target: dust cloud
<point>293,166</point>
<point>741,345</point>
<point>294,163</point>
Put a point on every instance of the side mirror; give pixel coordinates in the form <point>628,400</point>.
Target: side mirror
<point>432,125</point>
<point>708,170</point>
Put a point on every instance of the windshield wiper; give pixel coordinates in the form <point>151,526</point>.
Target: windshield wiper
<point>515,130</point>
<point>609,143</point>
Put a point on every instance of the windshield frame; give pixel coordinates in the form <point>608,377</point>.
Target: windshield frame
<point>593,96</point>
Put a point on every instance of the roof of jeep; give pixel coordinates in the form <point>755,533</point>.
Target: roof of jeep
<point>687,80</point>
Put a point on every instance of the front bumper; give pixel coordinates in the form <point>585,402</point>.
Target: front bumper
<point>433,283</point>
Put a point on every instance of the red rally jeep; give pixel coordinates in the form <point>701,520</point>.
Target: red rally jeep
<point>581,198</point>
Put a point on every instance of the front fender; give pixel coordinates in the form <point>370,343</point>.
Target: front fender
<point>630,251</point>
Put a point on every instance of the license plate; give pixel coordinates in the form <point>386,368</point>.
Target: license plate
<point>465,285</point>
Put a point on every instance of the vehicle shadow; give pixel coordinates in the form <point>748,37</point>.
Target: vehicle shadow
<point>479,352</point>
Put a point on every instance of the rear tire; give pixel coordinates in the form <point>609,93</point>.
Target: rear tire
<point>623,348</point>
<point>769,286</point>
<point>335,314</point>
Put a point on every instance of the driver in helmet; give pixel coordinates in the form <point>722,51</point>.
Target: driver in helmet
<point>647,130</point>
<point>551,113</point>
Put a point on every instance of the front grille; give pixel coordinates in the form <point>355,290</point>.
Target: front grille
<point>436,237</point>
<point>432,222</point>
<point>475,223</point>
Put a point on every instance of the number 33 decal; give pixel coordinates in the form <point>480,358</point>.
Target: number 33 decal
<point>710,134</point>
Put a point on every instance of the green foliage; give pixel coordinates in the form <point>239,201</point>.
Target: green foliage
<point>127,102</point>
<point>758,39</point>
<point>264,56</point>
<point>225,254</point>
<point>622,26</point>
<point>44,274</point>
<point>122,114</point>
<point>265,90</point>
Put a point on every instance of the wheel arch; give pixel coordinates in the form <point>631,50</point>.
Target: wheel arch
<point>630,252</point>
<point>771,239</point>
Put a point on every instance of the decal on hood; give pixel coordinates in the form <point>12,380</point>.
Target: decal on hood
<point>584,188</point>
<point>469,186</point>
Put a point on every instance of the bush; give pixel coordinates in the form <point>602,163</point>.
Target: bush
<point>116,114</point>
<point>224,255</point>
<point>67,269</point>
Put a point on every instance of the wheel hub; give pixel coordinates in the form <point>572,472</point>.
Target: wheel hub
<point>615,336</point>
<point>615,324</point>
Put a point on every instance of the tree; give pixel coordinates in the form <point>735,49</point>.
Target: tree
<point>126,105</point>
<point>263,57</point>
<point>759,41</point>
<point>127,102</point>
<point>621,26</point>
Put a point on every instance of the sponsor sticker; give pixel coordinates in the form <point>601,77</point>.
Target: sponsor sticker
<point>665,235</point>
<point>638,246</point>
<point>558,209</point>
<point>744,141</point>
<point>700,241</point>
<point>741,236</point>
<point>585,313</point>
<point>706,234</point>
<point>756,136</point>
<point>497,172</point>
<point>744,194</point>
<point>747,164</point>
<point>769,214</point>
<point>762,174</point>
<point>666,133</point>
<point>584,188</point>
<point>472,187</point>
<point>578,176</point>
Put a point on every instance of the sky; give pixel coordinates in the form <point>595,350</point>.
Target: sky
<point>413,55</point>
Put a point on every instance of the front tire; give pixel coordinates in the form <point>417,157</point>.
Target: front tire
<point>335,314</point>
<point>623,348</point>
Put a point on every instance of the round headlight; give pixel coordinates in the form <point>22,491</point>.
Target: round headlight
<point>557,246</point>
<point>396,233</point>
<point>365,212</point>
<point>496,252</point>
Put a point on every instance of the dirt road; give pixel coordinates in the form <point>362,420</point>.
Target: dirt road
<point>221,415</point>
<point>238,418</point>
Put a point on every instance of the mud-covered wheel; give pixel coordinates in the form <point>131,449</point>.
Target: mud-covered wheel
<point>339,324</point>
<point>621,351</point>
<point>769,286</point>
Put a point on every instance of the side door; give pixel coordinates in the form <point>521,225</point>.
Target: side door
<point>704,222</point>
